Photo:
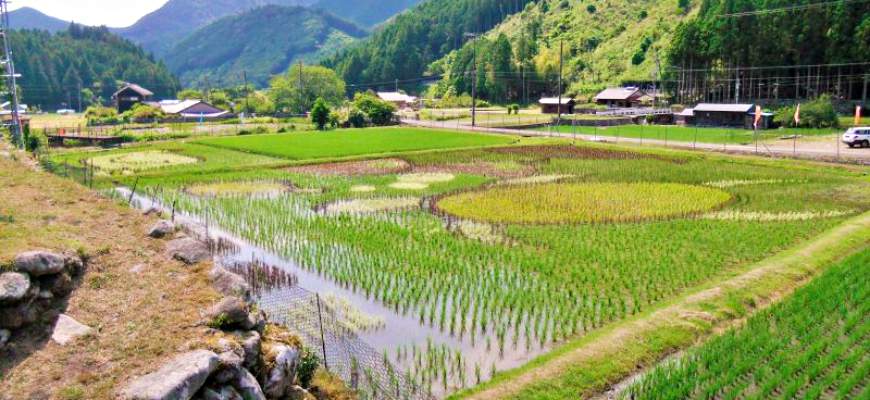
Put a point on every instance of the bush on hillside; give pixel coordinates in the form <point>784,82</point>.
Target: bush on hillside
<point>143,112</point>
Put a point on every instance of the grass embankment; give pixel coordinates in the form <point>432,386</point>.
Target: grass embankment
<point>811,345</point>
<point>588,365</point>
<point>353,142</point>
<point>690,134</point>
<point>140,318</point>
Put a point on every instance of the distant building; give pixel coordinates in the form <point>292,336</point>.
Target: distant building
<point>729,115</point>
<point>550,105</point>
<point>685,117</point>
<point>189,109</point>
<point>129,95</point>
<point>6,108</point>
<point>622,97</point>
<point>400,100</point>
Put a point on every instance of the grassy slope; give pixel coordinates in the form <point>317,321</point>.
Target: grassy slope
<point>588,365</point>
<point>354,142</point>
<point>141,319</point>
<point>618,27</point>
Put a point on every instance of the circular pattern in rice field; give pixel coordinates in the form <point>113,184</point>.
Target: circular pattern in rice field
<point>583,203</point>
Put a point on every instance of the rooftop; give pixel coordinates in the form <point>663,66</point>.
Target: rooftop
<point>555,100</point>
<point>617,93</point>
<point>737,108</point>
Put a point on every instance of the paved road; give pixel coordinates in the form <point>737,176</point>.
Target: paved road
<point>824,149</point>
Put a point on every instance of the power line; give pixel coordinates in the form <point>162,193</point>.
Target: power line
<point>791,8</point>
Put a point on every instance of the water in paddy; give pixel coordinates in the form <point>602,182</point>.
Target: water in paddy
<point>413,347</point>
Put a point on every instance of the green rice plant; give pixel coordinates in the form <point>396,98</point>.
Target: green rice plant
<point>814,344</point>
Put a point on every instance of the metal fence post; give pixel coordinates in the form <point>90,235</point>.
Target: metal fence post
<point>322,336</point>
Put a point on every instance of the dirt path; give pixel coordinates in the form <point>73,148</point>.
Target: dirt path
<point>823,149</point>
<point>143,306</point>
<point>697,314</point>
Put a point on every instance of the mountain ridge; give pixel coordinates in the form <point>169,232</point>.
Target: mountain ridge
<point>31,18</point>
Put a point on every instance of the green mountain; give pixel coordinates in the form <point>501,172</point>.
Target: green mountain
<point>55,66</point>
<point>365,12</point>
<point>261,42</point>
<point>30,18</point>
<point>403,47</point>
<point>162,29</point>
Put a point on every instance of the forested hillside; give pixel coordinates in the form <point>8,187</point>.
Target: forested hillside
<point>404,47</point>
<point>160,30</point>
<point>55,67</point>
<point>261,42</point>
<point>605,43</point>
<point>803,50</point>
<point>366,13</point>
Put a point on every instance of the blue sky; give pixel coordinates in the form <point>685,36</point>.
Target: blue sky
<point>115,13</point>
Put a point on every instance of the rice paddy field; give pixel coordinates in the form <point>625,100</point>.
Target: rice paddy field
<point>813,345</point>
<point>502,252</point>
<point>677,133</point>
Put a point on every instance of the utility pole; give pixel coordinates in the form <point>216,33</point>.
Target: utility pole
<point>80,96</point>
<point>11,76</point>
<point>473,37</point>
<point>397,86</point>
<point>864,92</point>
<point>247,101</point>
<point>559,106</point>
<point>301,88</point>
<point>656,75</point>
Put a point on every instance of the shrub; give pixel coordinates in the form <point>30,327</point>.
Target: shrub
<point>33,141</point>
<point>98,115</point>
<point>320,114</point>
<point>356,118</point>
<point>143,112</point>
<point>591,9</point>
<point>819,113</point>
<point>377,111</point>
<point>307,367</point>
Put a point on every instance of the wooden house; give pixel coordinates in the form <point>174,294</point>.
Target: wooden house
<point>129,95</point>
<point>626,97</point>
<point>550,105</point>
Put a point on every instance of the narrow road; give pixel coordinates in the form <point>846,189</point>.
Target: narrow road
<point>806,148</point>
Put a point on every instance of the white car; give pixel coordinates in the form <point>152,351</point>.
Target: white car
<point>857,137</point>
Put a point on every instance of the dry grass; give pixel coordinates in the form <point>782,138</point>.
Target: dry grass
<point>141,319</point>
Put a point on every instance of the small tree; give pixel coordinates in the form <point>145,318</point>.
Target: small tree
<point>320,114</point>
<point>356,118</point>
<point>379,112</point>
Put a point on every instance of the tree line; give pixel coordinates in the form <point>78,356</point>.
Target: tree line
<point>82,66</point>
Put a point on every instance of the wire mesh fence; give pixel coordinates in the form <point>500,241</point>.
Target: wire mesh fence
<point>324,329</point>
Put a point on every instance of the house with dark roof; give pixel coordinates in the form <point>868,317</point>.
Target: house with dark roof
<point>626,97</point>
<point>129,95</point>
<point>729,115</point>
<point>550,105</point>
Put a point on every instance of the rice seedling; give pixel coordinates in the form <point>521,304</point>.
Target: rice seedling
<point>536,179</point>
<point>812,345</point>
<point>363,206</point>
<point>129,163</point>
<point>743,182</point>
<point>409,185</point>
<point>362,189</point>
<point>581,203</point>
<point>426,178</point>
<point>351,316</point>
<point>252,188</point>
<point>768,216</point>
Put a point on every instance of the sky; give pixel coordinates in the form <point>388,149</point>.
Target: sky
<point>114,13</point>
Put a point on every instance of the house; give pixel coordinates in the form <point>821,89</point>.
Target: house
<point>400,100</point>
<point>129,95</point>
<point>550,105</point>
<point>728,115</point>
<point>685,117</point>
<point>189,109</point>
<point>6,108</point>
<point>626,97</point>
